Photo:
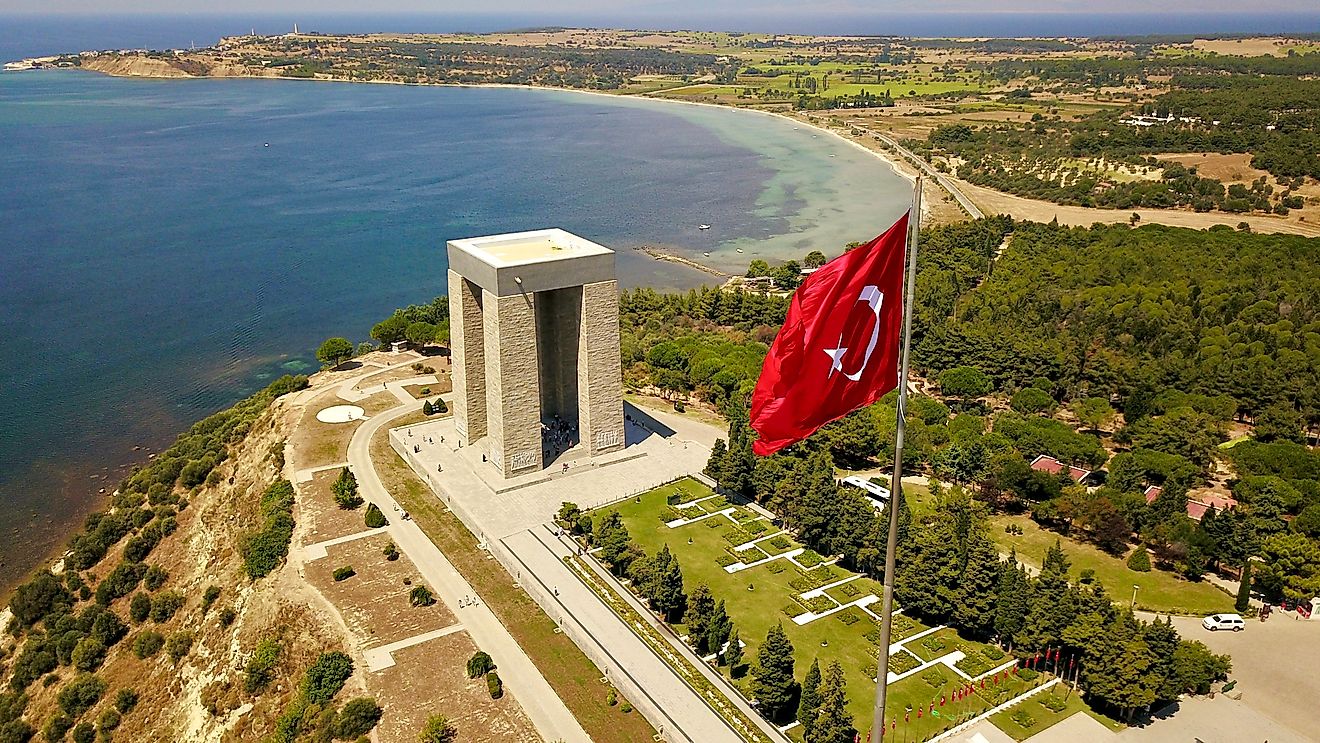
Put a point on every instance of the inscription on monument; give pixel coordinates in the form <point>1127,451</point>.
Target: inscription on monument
<point>524,459</point>
<point>606,438</point>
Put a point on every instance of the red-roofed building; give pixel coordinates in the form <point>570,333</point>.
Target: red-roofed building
<point>1196,507</point>
<point>1046,463</point>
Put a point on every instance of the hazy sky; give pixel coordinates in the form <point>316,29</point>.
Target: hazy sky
<point>694,8</point>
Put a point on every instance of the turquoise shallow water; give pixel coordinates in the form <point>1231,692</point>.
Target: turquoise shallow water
<point>158,260</point>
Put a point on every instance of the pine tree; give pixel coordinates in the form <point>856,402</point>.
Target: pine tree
<point>700,611</point>
<point>833,724</point>
<point>809,699</point>
<point>773,684</point>
<point>613,539</point>
<point>669,597</point>
<point>426,408</point>
<point>719,454</point>
<point>717,632</point>
<point>345,489</point>
<point>733,654</point>
<point>1244,589</point>
<point>974,611</point>
<point>1012,600</point>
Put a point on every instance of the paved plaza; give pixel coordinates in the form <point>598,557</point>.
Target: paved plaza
<point>513,517</point>
<point>658,450</point>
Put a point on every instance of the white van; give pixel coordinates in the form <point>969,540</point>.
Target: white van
<point>1216,622</point>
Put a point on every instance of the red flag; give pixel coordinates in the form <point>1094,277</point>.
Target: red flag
<point>838,349</point>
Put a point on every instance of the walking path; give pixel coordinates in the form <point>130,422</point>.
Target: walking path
<point>378,659</point>
<point>635,665</point>
<point>522,679</point>
<point>318,550</point>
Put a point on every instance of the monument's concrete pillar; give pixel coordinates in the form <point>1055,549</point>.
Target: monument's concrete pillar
<point>467,346</point>
<point>513,389</point>
<point>599,386</point>
<point>534,320</point>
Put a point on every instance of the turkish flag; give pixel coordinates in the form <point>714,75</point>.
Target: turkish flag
<point>838,349</point>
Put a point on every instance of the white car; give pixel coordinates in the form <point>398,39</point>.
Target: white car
<point>1216,622</point>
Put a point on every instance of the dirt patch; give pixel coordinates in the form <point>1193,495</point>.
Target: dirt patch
<point>443,385</point>
<point>316,444</point>
<point>994,202</point>
<point>374,602</point>
<point>1245,47</point>
<point>1227,168</point>
<point>322,517</point>
<point>431,678</point>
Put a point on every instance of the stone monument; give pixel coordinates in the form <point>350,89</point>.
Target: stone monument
<point>534,330</point>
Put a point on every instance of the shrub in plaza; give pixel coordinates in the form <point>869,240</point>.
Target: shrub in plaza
<point>374,518</point>
<point>345,489</point>
<point>421,596</point>
<point>438,729</point>
<point>440,406</point>
<point>479,664</point>
<point>494,685</point>
<point>344,573</point>
<point>391,552</point>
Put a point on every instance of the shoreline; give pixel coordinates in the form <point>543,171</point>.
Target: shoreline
<point>894,164</point>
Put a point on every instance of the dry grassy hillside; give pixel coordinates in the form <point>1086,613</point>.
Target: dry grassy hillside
<point>193,685</point>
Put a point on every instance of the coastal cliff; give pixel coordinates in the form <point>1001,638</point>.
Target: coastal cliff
<point>133,65</point>
<point>154,635</point>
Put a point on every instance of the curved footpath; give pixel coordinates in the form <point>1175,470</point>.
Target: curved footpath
<point>521,677</point>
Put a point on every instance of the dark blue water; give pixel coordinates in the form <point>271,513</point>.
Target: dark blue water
<point>24,36</point>
<point>158,260</point>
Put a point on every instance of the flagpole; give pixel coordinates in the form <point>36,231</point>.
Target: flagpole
<point>896,484</point>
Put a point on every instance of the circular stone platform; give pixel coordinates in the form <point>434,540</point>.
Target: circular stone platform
<point>340,414</point>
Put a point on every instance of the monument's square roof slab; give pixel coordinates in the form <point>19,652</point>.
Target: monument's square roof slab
<point>538,260</point>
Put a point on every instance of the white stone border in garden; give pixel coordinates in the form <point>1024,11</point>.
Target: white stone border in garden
<point>813,593</point>
<point>684,522</point>
<point>751,544</point>
<point>864,601</point>
<point>691,503</point>
<point>743,566</point>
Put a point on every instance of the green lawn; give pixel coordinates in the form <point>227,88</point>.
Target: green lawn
<point>1158,591</point>
<point>1044,717</point>
<point>758,597</point>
